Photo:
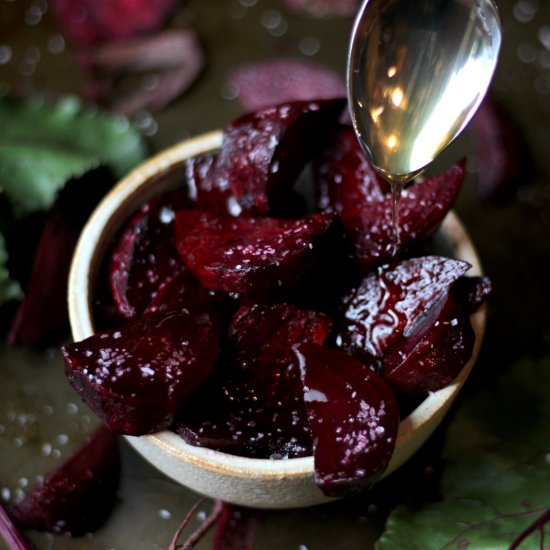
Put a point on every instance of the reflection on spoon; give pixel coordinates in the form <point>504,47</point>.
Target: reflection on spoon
<point>417,72</point>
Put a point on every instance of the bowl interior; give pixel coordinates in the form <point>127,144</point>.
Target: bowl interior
<point>247,481</point>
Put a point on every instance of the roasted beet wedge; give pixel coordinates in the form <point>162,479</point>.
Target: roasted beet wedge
<point>138,376</point>
<point>78,497</point>
<point>260,409</point>
<point>344,178</point>
<point>256,259</point>
<point>353,416</point>
<point>391,303</point>
<point>145,256</point>
<point>267,83</point>
<point>42,316</point>
<point>431,356</point>
<point>263,152</point>
<point>205,190</point>
<point>504,160</point>
<point>249,430</point>
<point>423,207</point>
<point>260,345</point>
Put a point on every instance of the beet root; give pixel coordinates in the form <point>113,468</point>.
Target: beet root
<point>78,497</point>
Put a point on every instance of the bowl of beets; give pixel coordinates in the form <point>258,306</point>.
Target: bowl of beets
<point>239,314</point>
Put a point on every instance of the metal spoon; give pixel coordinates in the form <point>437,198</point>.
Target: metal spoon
<point>417,72</point>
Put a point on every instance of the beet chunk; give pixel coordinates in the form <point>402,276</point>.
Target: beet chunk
<point>353,415</point>
<point>504,160</point>
<point>260,342</point>
<point>145,256</point>
<point>256,259</point>
<point>391,303</point>
<point>264,151</point>
<point>269,82</point>
<point>205,190</point>
<point>423,207</point>
<point>431,357</point>
<point>42,316</point>
<point>78,497</point>
<point>138,376</point>
<point>344,178</point>
<point>259,402</point>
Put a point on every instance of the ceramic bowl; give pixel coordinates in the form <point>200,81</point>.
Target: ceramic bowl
<point>260,483</point>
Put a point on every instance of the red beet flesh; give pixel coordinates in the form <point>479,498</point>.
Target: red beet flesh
<point>78,497</point>
<point>353,415</point>
<point>423,206</point>
<point>137,377</point>
<point>264,151</point>
<point>255,259</point>
<point>145,257</point>
<point>259,407</point>
<point>392,303</point>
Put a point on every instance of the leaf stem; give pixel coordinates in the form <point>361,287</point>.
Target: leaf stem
<point>11,534</point>
<point>197,535</point>
<point>537,524</point>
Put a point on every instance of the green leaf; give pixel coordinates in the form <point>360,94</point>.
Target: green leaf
<point>44,144</point>
<point>497,479</point>
<point>9,289</point>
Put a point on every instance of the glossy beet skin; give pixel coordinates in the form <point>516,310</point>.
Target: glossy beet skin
<point>345,182</point>
<point>353,415</point>
<point>433,354</point>
<point>259,407</point>
<point>263,152</point>
<point>391,303</point>
<point>254,259</point>
<point>145,258</point>
<point>344,178</point>
<point>78,497</point>
<point>412,319</point>
<point>422,208</point>
<point>136,377</point>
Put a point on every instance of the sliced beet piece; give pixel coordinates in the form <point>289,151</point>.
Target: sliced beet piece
<point>87,22</point>
<point>178,292</point>
<point>344,178</point>
<point>267,83</point>
<point>389,304</point>
<point>353,415</point>
<point>259,408</point>
<point>145,256</point>
<point>263,152</point>
<point>260,344</point>
<point>323,8</point>
<point>248,430</point>
<point>79,496</point>
<point>205,190</point>
<point>174,57</point>
<point>138,376</point>
<point>255,259</point>
<point>237,527</point>
<point>431,357</point>
<point>504,161</point>
<point>423,206</point>
<point>43,315</point>
<point>471,292</point>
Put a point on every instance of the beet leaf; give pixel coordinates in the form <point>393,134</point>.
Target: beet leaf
<point>495,490</point>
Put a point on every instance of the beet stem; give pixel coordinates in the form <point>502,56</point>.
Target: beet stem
<point>11,534</point>
<point>197,535</point>
<point>538,524</point>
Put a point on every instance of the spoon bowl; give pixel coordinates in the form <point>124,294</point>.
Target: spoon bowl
<point>417,72</point>
<point>260,483</point>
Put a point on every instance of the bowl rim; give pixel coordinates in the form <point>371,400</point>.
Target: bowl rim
<point>90,249</point>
